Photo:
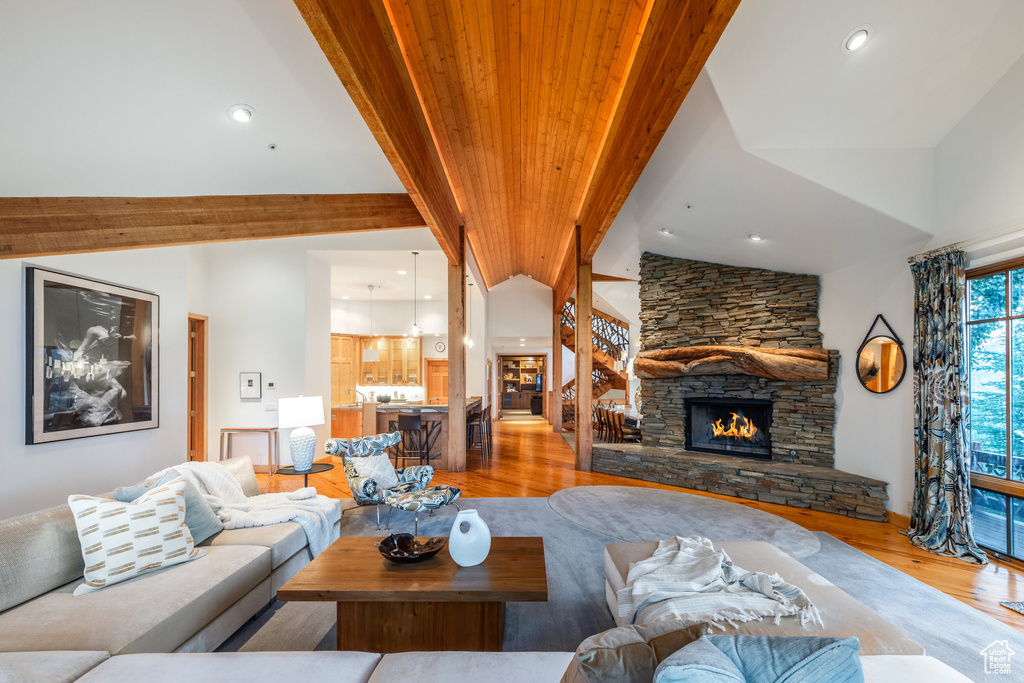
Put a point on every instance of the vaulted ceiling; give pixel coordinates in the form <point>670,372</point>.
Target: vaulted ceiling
<point>518,120</point>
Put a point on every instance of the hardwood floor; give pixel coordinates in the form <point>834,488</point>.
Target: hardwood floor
<point>529,460</point>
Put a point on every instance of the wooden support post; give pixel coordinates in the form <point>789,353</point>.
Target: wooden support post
<point>555,373</point>
<point>457,359</point>
<point>584,360</point>
<point>369,426</point>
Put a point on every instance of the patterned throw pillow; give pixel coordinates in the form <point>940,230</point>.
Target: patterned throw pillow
<point>379,468</point>
<point>122,540</point>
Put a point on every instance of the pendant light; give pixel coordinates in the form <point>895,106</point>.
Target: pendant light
<point>371,355</point>
<point>469,317</point>
<point>416,329</point>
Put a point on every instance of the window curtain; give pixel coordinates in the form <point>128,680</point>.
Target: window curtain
<point>941,516</point>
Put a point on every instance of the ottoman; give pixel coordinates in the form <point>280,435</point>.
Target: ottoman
<point>428,499</point>
<point>843,616</point>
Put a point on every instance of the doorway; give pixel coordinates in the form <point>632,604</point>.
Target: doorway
<point>197,371</point>
<point>437,380</point>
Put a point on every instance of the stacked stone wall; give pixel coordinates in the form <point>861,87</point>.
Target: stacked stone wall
<point>694,303</point>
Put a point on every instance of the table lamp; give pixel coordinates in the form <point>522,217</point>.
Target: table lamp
<point>299,414</point>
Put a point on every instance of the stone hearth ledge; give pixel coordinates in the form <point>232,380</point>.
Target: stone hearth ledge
<point>802,486</point>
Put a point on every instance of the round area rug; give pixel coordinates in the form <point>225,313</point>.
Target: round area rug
<point>639,514</point>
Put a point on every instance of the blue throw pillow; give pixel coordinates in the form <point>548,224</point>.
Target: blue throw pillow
<point>698,662</point>
<point>765,659</point>
<point>201,520</point>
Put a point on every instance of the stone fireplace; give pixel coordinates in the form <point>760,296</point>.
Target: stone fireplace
<point>728,426</point>
<point>779,447</point>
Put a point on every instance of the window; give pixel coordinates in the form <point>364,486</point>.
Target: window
<point>995,357</point>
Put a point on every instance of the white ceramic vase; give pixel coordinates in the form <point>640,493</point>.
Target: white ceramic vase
<point>469,548</point>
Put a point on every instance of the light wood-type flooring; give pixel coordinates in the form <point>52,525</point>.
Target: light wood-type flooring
<point>529,460</point>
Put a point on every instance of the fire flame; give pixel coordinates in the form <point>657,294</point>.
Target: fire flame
<point>739,428</point>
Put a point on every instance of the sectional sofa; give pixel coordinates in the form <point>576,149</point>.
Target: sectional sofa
<point>191,607</point>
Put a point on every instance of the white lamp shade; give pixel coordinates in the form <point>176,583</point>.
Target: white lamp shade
<point>301,411</point>
<point>371,356</point>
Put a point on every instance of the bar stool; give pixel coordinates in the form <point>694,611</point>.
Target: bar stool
<point>476,435</point>
<point>413,445</point>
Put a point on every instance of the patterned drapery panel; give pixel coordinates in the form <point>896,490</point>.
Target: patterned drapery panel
<point>941,517</point>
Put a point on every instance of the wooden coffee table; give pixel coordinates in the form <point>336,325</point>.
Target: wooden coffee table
<point>431,605</point>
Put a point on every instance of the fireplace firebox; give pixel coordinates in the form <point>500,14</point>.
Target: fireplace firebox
<point>727,426</point>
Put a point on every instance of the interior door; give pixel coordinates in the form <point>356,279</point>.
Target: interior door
<point>197,387</point>
<point>437,379</point>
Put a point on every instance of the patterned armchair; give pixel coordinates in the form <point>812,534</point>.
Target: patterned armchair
<point>365,490</point>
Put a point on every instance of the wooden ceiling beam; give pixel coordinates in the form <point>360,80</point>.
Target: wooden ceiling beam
<point>565,283</point>
<point>360,43</point>
<point>677,40</point>
<point>39,226</point>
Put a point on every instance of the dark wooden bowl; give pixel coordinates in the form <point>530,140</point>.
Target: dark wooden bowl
<point>405,549</point>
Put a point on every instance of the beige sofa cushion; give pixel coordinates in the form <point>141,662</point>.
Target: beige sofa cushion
<point>47,667</point>
<point>629,653</point>
<point>156,612</point>
<point>843,616</point>
<point>251,667</point>
<point>241,469</point>
<point>283,540</point>
<point>472,667</point>
<point>40,552</point>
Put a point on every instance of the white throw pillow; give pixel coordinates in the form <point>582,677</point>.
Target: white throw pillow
<point>378,468</point>
<point>122,540</point>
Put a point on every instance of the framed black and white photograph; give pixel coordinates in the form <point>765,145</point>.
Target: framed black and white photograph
<point>93,363</point>
<point>250,385</point>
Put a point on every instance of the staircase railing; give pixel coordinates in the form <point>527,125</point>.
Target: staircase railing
<point>609,334</point>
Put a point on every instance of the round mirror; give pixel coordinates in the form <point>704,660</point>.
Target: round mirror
<point>881,364</point>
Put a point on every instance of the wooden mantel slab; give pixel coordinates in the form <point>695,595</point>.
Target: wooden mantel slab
<point>792,365</point>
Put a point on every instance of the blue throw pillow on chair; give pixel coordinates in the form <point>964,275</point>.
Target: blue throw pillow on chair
<point>764,659</point>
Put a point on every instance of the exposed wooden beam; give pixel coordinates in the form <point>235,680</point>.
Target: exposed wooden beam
<point>457,359</point>
<point>360,43</point>
<point>566,281</point>
<point>38,226</point>
<point>555,375</point>
<point>611,278</point>
<point>584,362</point>
<point>677,40</point>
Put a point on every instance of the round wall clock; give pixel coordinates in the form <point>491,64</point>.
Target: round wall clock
<point>439,347</point>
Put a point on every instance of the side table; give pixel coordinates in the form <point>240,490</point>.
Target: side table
<point>273,443</point>
<point>317,468</point>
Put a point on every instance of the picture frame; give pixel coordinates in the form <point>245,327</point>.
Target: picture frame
<point>250,385</point>
<point>93,363</point>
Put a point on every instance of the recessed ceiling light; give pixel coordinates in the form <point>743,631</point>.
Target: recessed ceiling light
<point>240,112</point>
<point>857,38</point>
<point>522,340</point>
<point>344,297</point>
<point>401,272</point>
<point>437,335</point>
<point>427,296</point>
<point>755,237</point>
<point>665,231</point>
<point>522,344</point>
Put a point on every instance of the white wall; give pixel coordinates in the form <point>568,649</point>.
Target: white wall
<point>270,309</point>
<point>980,165</point>
<point>874,433</point>
<point>42,475</point>
<point>520,307</point>
<point>389,317</point>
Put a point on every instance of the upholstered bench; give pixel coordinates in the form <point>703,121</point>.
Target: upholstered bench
<point>843,616</point>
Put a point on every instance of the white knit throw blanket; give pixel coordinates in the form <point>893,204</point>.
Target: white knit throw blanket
<point>236,511</point>
<point>688,579</point>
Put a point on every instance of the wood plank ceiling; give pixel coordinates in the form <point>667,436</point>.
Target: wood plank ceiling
<point>523,99</point>
<point>518,96</point>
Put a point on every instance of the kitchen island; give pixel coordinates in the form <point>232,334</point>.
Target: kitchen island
<point>351,420</point>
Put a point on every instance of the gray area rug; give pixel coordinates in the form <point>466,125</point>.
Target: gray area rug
<point>949,630</point>
<point>636,514</point>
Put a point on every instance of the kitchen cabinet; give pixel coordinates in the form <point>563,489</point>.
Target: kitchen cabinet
<point>400,364</point>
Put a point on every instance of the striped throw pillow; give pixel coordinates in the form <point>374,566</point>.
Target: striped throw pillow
<point>122,540</point>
